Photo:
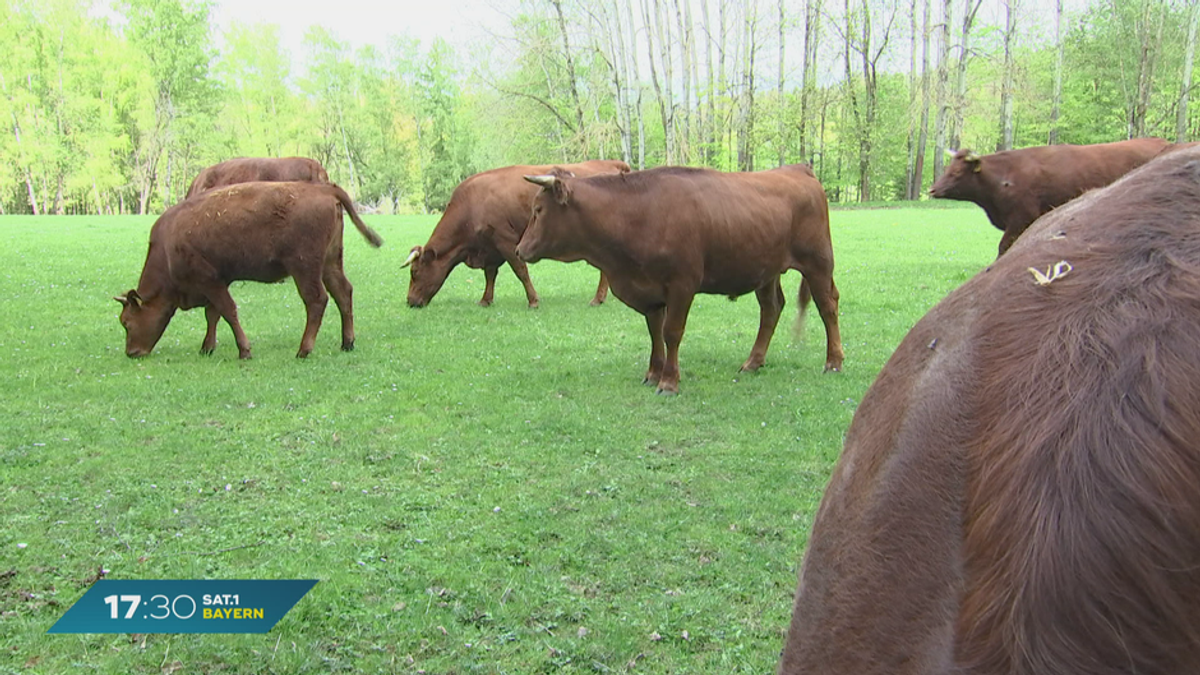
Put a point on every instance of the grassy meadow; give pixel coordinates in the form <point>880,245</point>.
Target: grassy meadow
<point>477,490</point>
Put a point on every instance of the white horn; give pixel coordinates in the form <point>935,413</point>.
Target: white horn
<point>544,180</point>
<point>949,153</point>
<point>121,299</point>
<point>412,255</point>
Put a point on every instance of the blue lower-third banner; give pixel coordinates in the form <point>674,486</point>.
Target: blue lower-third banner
<point>182,606</point>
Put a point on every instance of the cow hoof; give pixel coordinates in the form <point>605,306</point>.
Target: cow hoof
<point>348,346</point>
<point>207,351</point>
<point>667,392</point>
<point>485,303</point>
<point>596,303</point>
<point>533,305</point>
<point>829,368</point>
<point>245,356</point>
<point>650,381</point>
<point>750,367</point>
<point>303,354</point>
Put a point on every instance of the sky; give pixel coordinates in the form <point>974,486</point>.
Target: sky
<point>358,22</point>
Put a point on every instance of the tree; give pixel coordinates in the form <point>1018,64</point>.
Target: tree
<point>446,142</point>
<point>1185,87</point>
<point>1006,92</point>
<point>175,37</point>
<point>1056,100</point>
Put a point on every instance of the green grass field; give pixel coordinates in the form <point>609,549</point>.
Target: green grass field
<point>477,490</point>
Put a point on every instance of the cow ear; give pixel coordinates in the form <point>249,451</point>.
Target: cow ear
<point>428,254</point>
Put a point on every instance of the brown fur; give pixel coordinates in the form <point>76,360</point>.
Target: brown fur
<point>483,222</point>
<point>1018,494</point>
<point>1015,187</point>
<point>250,231</point>
<point>664,235</point>
<point>249,169</point>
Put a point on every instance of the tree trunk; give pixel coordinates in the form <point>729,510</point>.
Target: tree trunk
<point>562,27</point>
<point>940,140</point>
<point>1006,89</point>
<point>658,90</point>
<point>1148,57</point>
<point>808,83</point>
<point>1182,113</point>
<point>746,128</point>
<point>910,146</point>
<point>779,128</point>
<point>960,98</point>
<point>616,49</point>
<point>850,93</point>
<point>683,140</point>
<point>923,137</point>
<point>710,124</point>
<point>1056,101</point>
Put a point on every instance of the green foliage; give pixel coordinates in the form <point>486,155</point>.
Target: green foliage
<point>446,139</point>
<point>476,489</point>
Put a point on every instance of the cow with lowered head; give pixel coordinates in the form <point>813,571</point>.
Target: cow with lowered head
<point>1019,492</point>
<point>250,231</point>
<point>1015,187</point>
<point>481,226</point>
<point>248,169</point>
<point>664,235</point>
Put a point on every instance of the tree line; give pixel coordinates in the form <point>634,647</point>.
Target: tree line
<point>116,112</point>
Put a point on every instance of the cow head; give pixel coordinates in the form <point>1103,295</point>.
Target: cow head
<point>429,269</point>
<point>552,210</point>
<point>961,179</point>
<point>143,321</point>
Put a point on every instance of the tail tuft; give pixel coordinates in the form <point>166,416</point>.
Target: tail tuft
<point>803,297</point>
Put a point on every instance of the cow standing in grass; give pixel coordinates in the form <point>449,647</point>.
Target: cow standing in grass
<point>250,231</point>
<point>483,222</point>
<point>664,235</point>
<point>1019,492</point>
<point>249,169</point>
<point>1015,187</point>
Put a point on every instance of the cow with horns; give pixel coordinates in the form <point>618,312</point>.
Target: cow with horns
<point>481,226</point>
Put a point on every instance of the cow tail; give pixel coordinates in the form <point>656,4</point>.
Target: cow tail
<point>370,235</point>
<point>803,297</point>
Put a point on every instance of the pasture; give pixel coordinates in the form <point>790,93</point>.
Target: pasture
<point>477,490</point>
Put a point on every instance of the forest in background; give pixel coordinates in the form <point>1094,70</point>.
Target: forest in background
<point>115,108</point>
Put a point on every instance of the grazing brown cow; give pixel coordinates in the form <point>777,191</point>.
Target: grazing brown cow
<point>1019,492</point>
<point>248,169</point>
<point>482,224</point>
<point>251,231</point>
<point>664,235</point>
<point>1015,187</point>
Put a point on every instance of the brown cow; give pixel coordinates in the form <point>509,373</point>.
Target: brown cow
<point>664,235</point>
<point>1015,187</point>
<point>248,169</point>
<point>482,224</point>
<point>251,231</point>
<point>1019,492</point>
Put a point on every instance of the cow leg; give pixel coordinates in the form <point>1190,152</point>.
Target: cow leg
<point>654,322</point>
<point>334,278</point>
<point>219,299</point>
<point>212,316</point>
<point>825,296</point>
<point>522,272</point>
<point>770,306</point>
<point>315,298</point>
<point>489,285</point>
<point>601,291</point>
<point>674,322</point>
<point>1007,241</point>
